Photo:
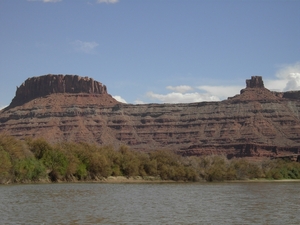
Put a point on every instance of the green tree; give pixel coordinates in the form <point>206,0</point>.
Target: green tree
<point>29,169</point>
<point>130,163</point>
<point>15,148</point>
<point>81,172</point>
<point>5,165</point>
<point>39,147</point>
<point>214,168</point>
<point>56,162</point>
<point>99,165</point>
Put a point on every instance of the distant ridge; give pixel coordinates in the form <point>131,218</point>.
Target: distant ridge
<point>256,123</point>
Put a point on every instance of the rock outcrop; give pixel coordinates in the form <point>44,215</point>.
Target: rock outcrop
<point>255,82</point>
<point>52,84</point>
<point>255,123</point>
<point>255,91</point>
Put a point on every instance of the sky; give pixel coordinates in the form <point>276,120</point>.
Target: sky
<point>152,51</point>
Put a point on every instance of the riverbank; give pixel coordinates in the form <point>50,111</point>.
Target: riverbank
<point>140,179</point>
<point>37,161</point>
<point>110,179</point>
<point>263,181</point>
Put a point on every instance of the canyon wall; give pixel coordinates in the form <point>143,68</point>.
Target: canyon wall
<point>254,123</point>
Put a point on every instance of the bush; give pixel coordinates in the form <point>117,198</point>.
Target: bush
<point>99,165</point>
<point>241,169</point>
<point>170,166</point>
<point>5,165</point>
<point>33,159</point>
<point>129,163</point>
<point>39,147</point>
<point>150,167</point>
<point>29,169</point>
<point>15,148</point>
<point>56,162</point>
<point>213,168</point>
<point>281,169</point>
<point>81,172</point>
<point>68,149</point>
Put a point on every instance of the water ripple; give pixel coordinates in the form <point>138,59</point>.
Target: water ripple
<point>217,203</point>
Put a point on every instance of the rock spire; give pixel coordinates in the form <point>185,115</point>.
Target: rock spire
<point>255,82</point>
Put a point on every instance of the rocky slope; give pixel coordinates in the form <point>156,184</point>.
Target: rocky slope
<point>257,122</point>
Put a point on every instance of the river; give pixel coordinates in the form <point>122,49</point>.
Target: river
<point>151,203</point>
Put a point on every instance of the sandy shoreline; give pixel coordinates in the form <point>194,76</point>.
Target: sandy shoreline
<point>148,179</point>
<point>135,179</point>
<point>139,179</point>
<point>263,180</point>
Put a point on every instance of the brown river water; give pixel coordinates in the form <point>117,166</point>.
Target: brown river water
<point>151,203</point>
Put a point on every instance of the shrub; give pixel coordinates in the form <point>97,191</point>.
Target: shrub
<point>150,167</point>
<point>56,162</point>
<point>214,168</point>
<point>81,172</point>
<point>243,169</point>
<point>68,149</point>
<point>129,163</point>
<point>15,148</point>
<point>5,165</point>
<point>191,174</point>
<point>99,165</point>
<point>281,169</point>
<point>29,160</point>
<point>29,169</point>
<point>39,147</point>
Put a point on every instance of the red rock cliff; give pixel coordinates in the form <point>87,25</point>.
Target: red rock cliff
<point>255,82</point>
<point>35,87</point>
<point>257,122</point>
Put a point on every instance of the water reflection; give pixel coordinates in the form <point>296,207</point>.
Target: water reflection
<point>223,203</point>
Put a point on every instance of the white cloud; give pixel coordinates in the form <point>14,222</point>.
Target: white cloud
<point>294,82</point>
<point>275,85</point>
<point>288,78</point>
<point>119,98</point>
<point>180,88</point>
<point>183,94</point>
<point>176,97</point>
<point>139,102</point>
<point>108,1</point>
<point>85,47</point>
<point>222,92</point>
<point>291,74</point>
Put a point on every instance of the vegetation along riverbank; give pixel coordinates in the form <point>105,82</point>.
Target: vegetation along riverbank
<point>36,160</point>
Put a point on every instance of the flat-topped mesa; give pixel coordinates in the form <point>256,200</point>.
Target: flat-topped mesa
<point>255,82</point>
<point>35,87</point>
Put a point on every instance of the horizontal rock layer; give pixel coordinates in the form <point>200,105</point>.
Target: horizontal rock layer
<point>256,123</point>
<point>50,84</point>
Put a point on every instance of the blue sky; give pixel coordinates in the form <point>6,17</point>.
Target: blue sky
<point>148,51</point>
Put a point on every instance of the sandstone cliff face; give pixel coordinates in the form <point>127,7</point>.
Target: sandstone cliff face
<point>256,123</point>
<point>50,84</point>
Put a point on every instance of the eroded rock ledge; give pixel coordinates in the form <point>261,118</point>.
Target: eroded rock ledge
<point>254,123</point>
<point>35,87</point>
